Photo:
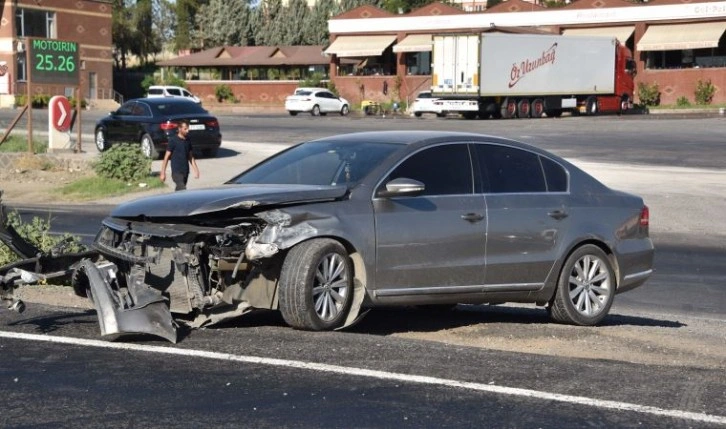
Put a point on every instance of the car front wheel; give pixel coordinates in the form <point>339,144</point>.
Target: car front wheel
<point>316,285</point>
<point>101,142</point>
<point>315,111</point>
<point>344,110</point>
<point>586,288</point>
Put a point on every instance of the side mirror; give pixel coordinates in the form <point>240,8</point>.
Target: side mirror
<point>402,187</point>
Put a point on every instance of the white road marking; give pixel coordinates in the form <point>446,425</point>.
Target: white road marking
<point>383,375</point>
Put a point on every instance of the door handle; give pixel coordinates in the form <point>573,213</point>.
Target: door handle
<point>472,217</point>
<point>558,214</point>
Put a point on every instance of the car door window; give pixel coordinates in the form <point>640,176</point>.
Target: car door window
<point>509,170</point>
<point>555,174</point>
<point>444,170</point>
<point>174,91</point>
<point>126,108</point>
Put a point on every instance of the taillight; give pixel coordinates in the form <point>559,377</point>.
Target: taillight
<point>168,126</point>
<point>644,216</point>
<point>212,123</point>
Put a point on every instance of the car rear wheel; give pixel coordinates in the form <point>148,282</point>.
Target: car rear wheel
<point>344,110</point>
<point>586,288</point>
<point>147,147</point>
<point>316,285</point>
<point>315,111</point>
<point>417,114</point>
<point>101,142</point>
<point>293,113</point>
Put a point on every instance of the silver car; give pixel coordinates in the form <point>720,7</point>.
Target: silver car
<point>330,227</point>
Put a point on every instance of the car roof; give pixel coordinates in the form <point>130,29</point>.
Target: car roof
<point>165,86</point>
<point>426,137</point>
<point>163,100</point>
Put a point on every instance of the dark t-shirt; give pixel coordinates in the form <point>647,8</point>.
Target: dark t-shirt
<point>180,150</point>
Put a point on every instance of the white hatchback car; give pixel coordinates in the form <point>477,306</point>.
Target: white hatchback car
<point>172,91</point>
<point>316,101</point>
<point>424,103</point>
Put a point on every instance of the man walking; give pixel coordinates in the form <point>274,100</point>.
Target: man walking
<point>179,150</point>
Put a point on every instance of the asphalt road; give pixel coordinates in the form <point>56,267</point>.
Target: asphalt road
<point>257,372</point>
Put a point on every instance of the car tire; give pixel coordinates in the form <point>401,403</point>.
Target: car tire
<point>316,285</point>
<point>293,113</point>
<point>344,110</point>
<point>101,140</point>
<point>315,111</point>
<point>147,147</point>
<point>441,115</point>
<point>585,289</point>
<point>417,114</point>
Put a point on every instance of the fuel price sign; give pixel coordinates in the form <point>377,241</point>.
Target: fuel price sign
<point>53,61</point>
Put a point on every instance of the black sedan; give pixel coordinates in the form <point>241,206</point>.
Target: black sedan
<point>149,122</point>
<point>332,226</point>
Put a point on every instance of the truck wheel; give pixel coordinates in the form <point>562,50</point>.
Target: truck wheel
<point>509,108</point>
<point>316,285</point>
<point>592,107</point>
<point>624,104</point>
<point>469,115</point>
<point>537,108</point>
<point>523,108</point>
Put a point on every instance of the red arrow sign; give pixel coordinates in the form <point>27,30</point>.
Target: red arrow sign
<point>60,113</point>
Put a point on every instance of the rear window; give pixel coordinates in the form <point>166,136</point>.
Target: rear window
<point>178,108</point>
<point>302,92</point>
<point>424,95</point>
<point>155,91</point>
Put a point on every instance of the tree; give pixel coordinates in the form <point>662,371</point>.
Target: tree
<point>223,22</point>
<point>164,17</point>
<point>186,23</point>
<point>315,31</point>
<point>148,41</point>
<point>269,27</point>
<point>295,14</point>
<point>122,30</point>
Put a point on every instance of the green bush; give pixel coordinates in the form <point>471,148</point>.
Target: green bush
<point>123,162</point>
<point>84,102</point>
<point>704,92</point>
<point>40,101</point>
<point>683,102</point>
<point>37,232</point>
<point>649,94</point>
<point>149,80</point>
<point>224,93</point>
<point>312,81</point>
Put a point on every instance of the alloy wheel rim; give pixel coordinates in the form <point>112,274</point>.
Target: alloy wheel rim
<point>590,285</point>
<point>100,140</point>
<point>330,289</point>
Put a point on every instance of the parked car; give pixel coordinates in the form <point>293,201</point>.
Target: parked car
<point>171,91</point>
<point>331,226</point>
<point>149,121</point>
<point>316,101</point>
<point>425,103</point>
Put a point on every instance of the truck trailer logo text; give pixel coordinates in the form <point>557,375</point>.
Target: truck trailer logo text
<point>519,70</point>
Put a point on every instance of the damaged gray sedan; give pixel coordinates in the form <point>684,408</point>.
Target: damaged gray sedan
<point>331,227</point>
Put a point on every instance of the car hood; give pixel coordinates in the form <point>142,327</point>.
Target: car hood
<point>209,200</point>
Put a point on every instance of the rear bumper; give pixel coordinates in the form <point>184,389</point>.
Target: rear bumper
<point>637,256</point>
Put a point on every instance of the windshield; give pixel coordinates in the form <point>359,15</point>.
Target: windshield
<point>319,163</point>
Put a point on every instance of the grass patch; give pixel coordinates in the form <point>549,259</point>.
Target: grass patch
<point>94,187</point>
<point>691,106</point>
<point>20,144</point>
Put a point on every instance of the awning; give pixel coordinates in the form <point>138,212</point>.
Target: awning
<point>414,43</point>
<point>622,33</point>
<point>681,36</point>
<point>359,46</point>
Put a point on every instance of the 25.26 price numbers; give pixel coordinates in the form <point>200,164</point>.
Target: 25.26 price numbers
<point>56,63</point>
